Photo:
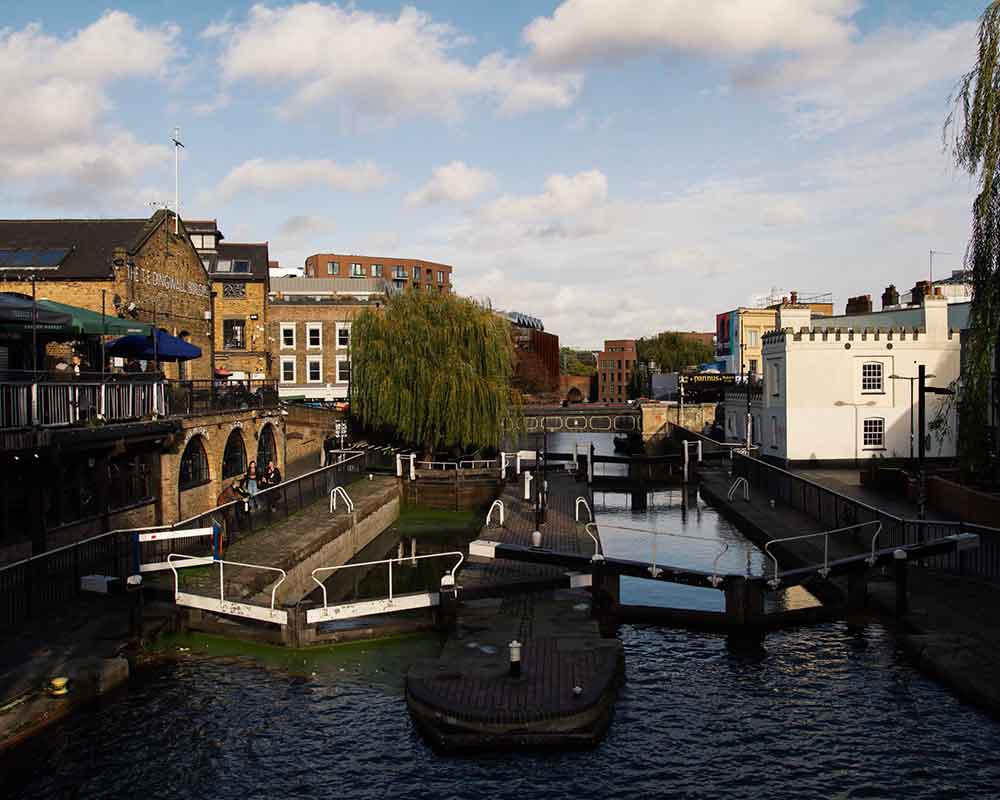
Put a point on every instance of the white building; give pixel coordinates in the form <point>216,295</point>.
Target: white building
<point>829,394</point>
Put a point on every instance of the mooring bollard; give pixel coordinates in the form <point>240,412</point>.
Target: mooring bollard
<point>515,659</point>
<point>527,484</point>
<point>902,594</point>
<point>449,602</point>
<point>536,539</point>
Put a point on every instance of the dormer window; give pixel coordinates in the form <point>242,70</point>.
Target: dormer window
<point>241,265</point>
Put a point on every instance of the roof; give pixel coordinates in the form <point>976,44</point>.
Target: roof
<point>255,253</point>
<point>328,286</point>
<point>91,242</point>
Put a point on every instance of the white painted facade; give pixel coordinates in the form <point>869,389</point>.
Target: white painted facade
<point>828,394</point>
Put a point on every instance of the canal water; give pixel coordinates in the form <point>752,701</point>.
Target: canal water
<point>823,711</point>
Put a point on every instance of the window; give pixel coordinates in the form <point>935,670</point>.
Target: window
<point>752,337</point>
<point>332,267</point>
<point>234,459</point>
<point>416,273</point>
<point>376,270</point>
<point>267,450</point>
<point>233,332</point>
<point>871,377</point>
<point>314,334</point>
<point>753,366</point>
<point>440,276</point>
<point>130,480</point>
<point>343,369</point>
<point>234,290</point>
<point>288,369</point>
<point>288,335</point>
<point>194,465</point>
<point>873,432</point>
<point>241,265</point>
<point>343,334</point>
<point>314,369</point>
<point>224,265</point>
<point>775,380</point>
<point>357,270</point>
<point>206,262</point>
<point>399,271</point>
<point>774,433</point>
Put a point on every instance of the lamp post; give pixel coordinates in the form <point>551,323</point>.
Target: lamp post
<point>912,379</point>
<point>855,406</point>
<point>923,390</point>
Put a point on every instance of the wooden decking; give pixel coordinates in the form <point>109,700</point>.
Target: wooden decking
<point>466,699</point>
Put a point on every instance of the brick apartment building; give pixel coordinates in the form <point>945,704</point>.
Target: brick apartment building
<point>309,332</point>
<point>240,281</point>
<point>615,365</point>
<point>399,272</point>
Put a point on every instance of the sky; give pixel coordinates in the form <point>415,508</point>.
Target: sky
<point>614,168</point>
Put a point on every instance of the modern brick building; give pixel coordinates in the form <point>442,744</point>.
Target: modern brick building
<point>240,280</point>
<point>309,332</point>
<point>615,365</point>
<point>399,272</point>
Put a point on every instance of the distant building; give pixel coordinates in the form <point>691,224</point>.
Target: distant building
<point>400,272</point>
<point>240,277</point>
<point>615,365</point>
<point>829,395</point>
<point>537,352</point>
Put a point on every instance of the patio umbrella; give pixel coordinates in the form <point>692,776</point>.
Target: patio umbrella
<point>168,348</point>
<point>16,313</point>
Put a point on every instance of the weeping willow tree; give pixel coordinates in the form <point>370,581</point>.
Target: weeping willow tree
<point>974,122</point>
<point>436,368</point>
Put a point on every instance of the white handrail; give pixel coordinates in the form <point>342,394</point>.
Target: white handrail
<point>443,465</point>
<point>871,559</point>
<point>824,571</point>
<point>598,555</point>
<point>389,561</point>
<point>486,463</point>
<point>496,504</point>
<point>716,578</point>
<point>740,481</point>
<point>339,490</point>
<point>585,505</point>
<point>222,582</point>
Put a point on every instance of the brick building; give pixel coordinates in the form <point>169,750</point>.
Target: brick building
<point>615,365</point>
<point>309,332</point>
<point>240,280</point>
<point>400,272</point>
<point>130,268</point>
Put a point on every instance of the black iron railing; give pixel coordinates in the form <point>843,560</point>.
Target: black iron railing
<point>33,585</point>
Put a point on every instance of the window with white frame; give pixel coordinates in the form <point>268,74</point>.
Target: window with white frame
<point>343,369</point>
<point>314,335</point>
<point>288,335</point>
<point>343,334</point>
<point>871,377</point>
<point>376,270</point>
<point>357,270</point>
<point>873,433</point>
<point>314,369</point>
<point>288,369</point>
<point>752,340</point>
<point>332,267</point>
<point>440,276</point>
<point>416,273</point>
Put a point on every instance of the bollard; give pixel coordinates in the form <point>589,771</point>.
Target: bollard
<point>515,659</point>
<point>902,595</point>
<point>448,608</point>
<point>536,539</point>
<point>527,484</point>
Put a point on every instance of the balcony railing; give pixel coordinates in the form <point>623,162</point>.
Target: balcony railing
<point>40,400</point>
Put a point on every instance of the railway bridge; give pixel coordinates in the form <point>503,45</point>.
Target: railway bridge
<point>589,418</point>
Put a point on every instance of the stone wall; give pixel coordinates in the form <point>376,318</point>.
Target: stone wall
<point>306,428</point>
<point>579,382</point>
<point>655,417</point>
<point>967,504</point>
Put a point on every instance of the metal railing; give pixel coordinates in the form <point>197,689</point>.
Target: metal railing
<point>30,586</point>
<point>339,491</point>
<point>200,396</point>
<point>823,571</point>
<point>223,606</point>
<point>835,510</point>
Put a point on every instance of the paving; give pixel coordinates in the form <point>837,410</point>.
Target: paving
<point>466,698</point>
<point>848,482</point>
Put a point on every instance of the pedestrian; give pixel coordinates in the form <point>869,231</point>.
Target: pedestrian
<point>251,485</point>
<point>272,477</point>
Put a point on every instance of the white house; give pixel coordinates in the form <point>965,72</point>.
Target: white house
<point>834,392</point>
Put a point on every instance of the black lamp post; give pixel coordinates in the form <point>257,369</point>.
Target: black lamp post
<point>924,389</point>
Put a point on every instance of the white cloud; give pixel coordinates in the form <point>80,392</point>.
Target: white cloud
<point>784,211</point>
<point>582,31</point>
<point>564,196</point>
<point>62,147</point>
<point>455,182</point>
<point>258,174</point>
<point>304,225</point>
<point>379,66</point>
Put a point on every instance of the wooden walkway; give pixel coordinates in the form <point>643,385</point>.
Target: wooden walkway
<point>466,699</point>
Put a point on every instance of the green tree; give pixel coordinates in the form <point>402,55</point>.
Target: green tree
<point>436,368</point>
<point>672,351</point>
<point>571,362</point>
<point>975,123</point>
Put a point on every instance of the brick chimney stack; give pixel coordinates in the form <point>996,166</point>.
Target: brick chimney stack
<point>862,304</point>
<point>795,298</point>
<point>920,290</point>
<point>890,297</point>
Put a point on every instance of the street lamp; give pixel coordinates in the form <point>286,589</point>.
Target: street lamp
<point>855,406</point>
<point>912,379</point>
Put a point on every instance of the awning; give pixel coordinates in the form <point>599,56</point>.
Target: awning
<point>18,313</point>
<point>91,323</point>
<point>168,348</point>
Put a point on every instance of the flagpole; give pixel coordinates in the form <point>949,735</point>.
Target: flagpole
<point>177,179</point>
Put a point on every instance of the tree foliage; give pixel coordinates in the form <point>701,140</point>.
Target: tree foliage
<point>975,122</point>
<point>672,351</point>
<point>436,368</point>
<point>576,362</point>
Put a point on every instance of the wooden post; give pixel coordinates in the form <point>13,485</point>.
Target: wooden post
<point>902,589</point>
<point>857,589</point>
<point>448,607</point>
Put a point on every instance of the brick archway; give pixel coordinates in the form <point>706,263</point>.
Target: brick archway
<point>234,455</point>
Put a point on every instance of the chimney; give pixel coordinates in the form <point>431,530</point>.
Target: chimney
<point>890,297</point>
<point>936,317</point>
<point>918,292</point>
<point>862,304</point>
<point>795,298</point>
<point>794,317</point>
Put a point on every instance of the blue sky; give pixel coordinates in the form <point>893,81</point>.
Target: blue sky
<point>613,168</point>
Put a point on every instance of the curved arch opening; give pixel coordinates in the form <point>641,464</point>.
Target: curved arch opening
<point>234,458</point>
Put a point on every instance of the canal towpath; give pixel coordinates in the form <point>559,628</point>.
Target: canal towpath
<point>949,628</point>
